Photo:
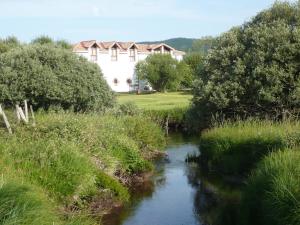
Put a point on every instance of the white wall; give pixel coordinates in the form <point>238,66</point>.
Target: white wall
<point>122,69</point>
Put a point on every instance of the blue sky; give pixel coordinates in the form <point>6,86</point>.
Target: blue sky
<point>123,20</point>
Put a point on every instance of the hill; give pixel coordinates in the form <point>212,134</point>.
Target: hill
<point>182,44</point>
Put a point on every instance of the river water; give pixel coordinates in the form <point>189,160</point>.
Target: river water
<point>176,194</point>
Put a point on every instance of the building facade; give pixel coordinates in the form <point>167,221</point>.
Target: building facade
<point>117,60</point>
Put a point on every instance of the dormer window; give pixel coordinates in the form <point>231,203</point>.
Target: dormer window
<point>158,51</point>
<point>94,53</point>
<point>114,53</point>
<point>132,54</point>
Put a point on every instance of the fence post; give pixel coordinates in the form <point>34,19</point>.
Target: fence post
<point>5,120</point>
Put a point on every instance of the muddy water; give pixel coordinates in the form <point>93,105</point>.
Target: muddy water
<point>175,196</point>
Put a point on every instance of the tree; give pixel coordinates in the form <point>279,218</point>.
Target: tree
<point>195,62</point>
<point>254,69</point>
<point>42,40</point>
<point>49,76</point>
<point>203,45</point>
<point>162,72</point>
<point>8,43</point>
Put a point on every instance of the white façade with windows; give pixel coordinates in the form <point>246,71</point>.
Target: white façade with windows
<point>117,60</point>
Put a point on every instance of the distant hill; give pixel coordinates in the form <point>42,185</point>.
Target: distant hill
<point>182,44</point>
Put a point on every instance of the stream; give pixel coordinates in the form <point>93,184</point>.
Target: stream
<point>176,195</point>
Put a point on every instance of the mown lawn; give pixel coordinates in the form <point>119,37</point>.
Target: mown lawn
<point>157,101</point>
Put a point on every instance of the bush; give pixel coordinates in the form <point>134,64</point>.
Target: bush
<point>253,69</point>
<point>234,148</point>
<point>49,76</point>
<point>272,195</point>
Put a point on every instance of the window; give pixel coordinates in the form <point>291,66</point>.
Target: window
<point>116,81</point>
<point>129,81</point>
<point>114,54</point>
<point>94,54</point>
<point>132,54</point>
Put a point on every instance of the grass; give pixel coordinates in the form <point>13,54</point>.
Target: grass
<point>234,148</point>
<point>157,101</point>
<point>272,195</point>
<point>69,159</point>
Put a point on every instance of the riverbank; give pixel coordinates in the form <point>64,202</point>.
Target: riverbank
<point>72,168</point>
<point>264,157</point>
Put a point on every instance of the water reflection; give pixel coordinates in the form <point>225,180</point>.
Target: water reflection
<point>177,195</point>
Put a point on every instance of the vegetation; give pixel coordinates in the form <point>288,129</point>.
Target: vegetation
<point>48,76</point>
<point>253,70</point>
<point>8,43</point>
<point>71,160</point>
<point>272,195</point>
<point>45,40</point>
<point>163,72</point>
<point>203,45</point>
<point>235,147</point>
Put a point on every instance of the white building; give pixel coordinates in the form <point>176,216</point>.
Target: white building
<point>117,60</point>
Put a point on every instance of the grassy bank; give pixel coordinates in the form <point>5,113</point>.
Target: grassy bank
<point>234,148</point>
<point>70,166</point>
<point>272,194</point>
<point>266,155</point>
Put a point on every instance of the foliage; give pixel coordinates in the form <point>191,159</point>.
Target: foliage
<point>162,71</point>
<point>234,148</point>
<point>253,70</point>
<point>73,158</point>
<point>195,61</point>
<point>46,75</point>
<point>8,43</point>
<point>203,45</point>
<point>46,40</point>
<point>272,195</point>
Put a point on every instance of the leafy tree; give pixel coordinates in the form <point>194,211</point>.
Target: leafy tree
<point>253,70</point>
<point>162,72</point>
<point>49,76</point>
<point>195,62</point>
<point>203,45</point>
<point>8,44</point>
<point>42,40</point>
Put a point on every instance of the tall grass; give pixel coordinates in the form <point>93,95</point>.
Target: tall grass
<point>71,158</point>
<point>272,195</point>
<point>235,147</point>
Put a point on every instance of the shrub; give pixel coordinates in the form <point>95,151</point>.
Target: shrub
<point>272,195</point>
<point>49,76</point>
<point>234,148</point>
<point>253,69</point>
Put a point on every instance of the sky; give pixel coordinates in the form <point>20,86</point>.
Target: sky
<point>123,20</point>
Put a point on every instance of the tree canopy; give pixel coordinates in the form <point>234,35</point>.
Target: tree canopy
<point>163,72</point>
<point>253,70</point>
<point>50,76</point>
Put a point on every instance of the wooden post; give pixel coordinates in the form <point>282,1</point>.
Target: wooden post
<point>18,115</point>
<point>167,125</point>
<point>5,120</point>
<point>32,115</point>
<point>21,113</point>
<point>26,110</point>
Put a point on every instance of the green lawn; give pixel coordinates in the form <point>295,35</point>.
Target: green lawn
<point>157,101</point>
